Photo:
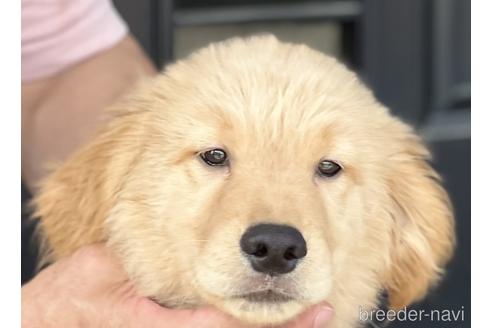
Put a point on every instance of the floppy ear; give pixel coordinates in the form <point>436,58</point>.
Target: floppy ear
<point>73,202</point>
<point>423,235</point>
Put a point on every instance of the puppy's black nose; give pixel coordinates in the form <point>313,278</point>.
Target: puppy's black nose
<point>273,249</point>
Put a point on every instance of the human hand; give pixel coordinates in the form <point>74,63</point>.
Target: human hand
<point>91,289</point>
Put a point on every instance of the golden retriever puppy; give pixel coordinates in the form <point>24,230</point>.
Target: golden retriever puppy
<point>259,177</point>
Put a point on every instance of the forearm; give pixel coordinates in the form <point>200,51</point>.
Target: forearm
<point>60,114</point>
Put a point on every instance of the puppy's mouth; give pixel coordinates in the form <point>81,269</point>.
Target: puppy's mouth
<point>266,296</point>
<point>264,289</point>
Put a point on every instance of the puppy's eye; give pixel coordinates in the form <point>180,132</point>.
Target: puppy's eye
<point>214,157</point>
<point>328,168</point>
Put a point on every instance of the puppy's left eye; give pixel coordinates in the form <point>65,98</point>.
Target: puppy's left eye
<point>214,157</point>
<point>328,168</point>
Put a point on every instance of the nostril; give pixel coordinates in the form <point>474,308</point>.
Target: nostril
<point>290,255</point>
<point>295,253</point>
<point>261,250</point>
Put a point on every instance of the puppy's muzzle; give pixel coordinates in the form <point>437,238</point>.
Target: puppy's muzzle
<point>273,249</point>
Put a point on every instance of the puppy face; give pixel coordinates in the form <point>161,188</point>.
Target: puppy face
<point>264,178</point>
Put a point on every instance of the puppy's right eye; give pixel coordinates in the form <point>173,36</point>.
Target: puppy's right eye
<point>215,157</point>
<point>328,168</point>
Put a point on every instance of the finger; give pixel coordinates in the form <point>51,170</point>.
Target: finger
<point>148,314</point>
<point>317,317</point>
<point>210,317</point>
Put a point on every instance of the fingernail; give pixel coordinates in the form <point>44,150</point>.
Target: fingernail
<point>323,317</point>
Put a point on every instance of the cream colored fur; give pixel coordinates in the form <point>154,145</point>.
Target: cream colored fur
<point>384,223</point>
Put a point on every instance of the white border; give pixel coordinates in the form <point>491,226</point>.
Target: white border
<point>10,130</point>
<point>481,169</point>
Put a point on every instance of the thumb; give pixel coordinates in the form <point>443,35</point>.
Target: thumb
<point>316,317</point>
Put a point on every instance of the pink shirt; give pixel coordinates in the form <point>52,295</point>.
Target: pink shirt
<point>60,33</point>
